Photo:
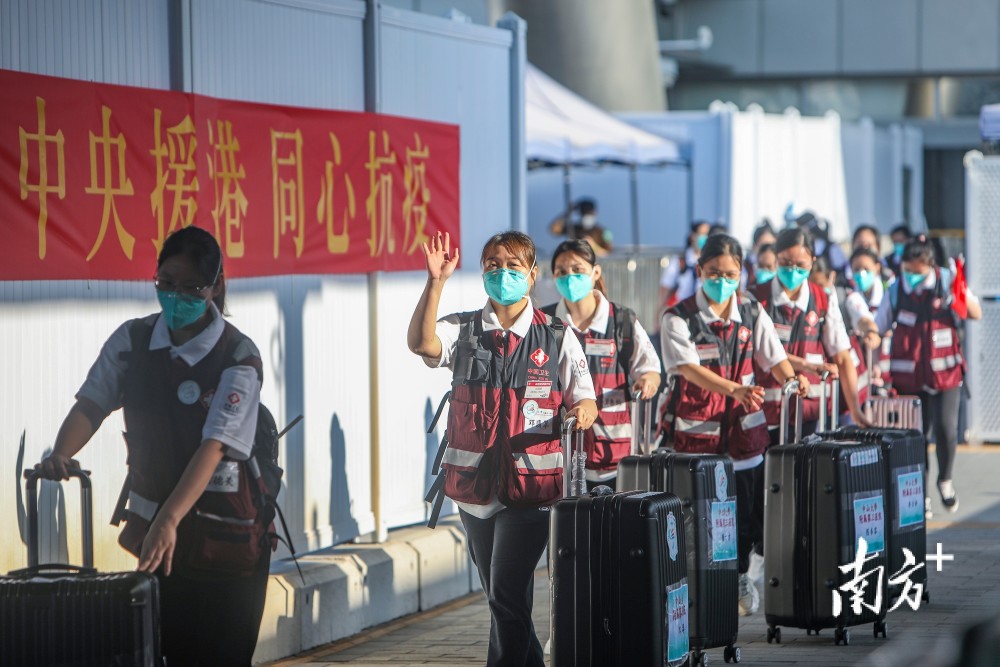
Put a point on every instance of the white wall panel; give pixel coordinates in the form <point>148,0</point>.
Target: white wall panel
<point>293,52</point>
<point>112,41</point>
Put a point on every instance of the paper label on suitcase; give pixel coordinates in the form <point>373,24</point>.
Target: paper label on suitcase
<point>723,531</point>
<point>869,522</point>
<point>721,481</point>
<point>910,492</point>
<point>677,623</point>
<point>672,536</point>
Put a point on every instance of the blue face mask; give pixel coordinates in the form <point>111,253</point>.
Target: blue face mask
<point>505,286</point>
<point>181,310</point>
<point>763,275</point>
<point>914,280</point>
<point>864,280</point>
<point>574,286</point>
<point>700,241</point>
<point>897,250</point>
<point>720,289</point>
<point>792,277</point>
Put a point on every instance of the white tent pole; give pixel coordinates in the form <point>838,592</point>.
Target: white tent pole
<point>633,171</point>
<point>568,194</point>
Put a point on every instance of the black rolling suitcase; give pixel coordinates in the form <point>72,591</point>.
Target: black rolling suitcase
<point>706,486</point>
<point>820,498</point>
<point>618,588</point>
<point>905,456</point>
<point>54,615</point>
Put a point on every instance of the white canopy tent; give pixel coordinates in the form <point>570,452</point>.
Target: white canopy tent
<point>564,130</point>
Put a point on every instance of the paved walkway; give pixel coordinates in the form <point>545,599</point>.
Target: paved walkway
<point>966,589</point>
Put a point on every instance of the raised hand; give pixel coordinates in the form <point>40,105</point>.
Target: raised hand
<point>441,258</point>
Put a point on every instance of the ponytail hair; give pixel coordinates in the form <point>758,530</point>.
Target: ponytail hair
<point>920,249</point>
<point>582,249</point>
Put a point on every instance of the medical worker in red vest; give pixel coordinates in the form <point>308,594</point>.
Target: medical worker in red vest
<point>189,386</point>
<point>813,333</point>
<point>600,325</point>
<point>721,345</point>
<point>511,378</point>
<point>926,358</point>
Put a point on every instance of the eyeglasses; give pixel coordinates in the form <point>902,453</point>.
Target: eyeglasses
<point>715,275</point>
<point>162,285</point>
<point>794,265</point>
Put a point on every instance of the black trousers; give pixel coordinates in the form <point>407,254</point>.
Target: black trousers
<point>211,622</point>
<point>940,415</point>
<point>506,548</point>
<point>749,514</point>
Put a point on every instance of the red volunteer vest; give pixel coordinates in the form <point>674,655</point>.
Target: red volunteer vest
<point>926,351</point>
<point>504,418</point>
<point>707,422</point>
<point>610,439</point>
<point>801,334</point>
<point>165,405</point>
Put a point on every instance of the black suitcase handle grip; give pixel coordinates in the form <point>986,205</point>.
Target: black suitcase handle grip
<point>86,509</point>
<point>51,567</point>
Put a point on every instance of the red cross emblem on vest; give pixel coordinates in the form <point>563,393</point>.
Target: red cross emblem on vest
<point>744,334</point>
<point>539,357</point>
<point>812,318</point>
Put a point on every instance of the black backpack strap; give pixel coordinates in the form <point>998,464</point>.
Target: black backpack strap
<point>624,320</point>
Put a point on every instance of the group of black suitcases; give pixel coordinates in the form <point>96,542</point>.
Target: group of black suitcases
<point>56,615</point>
<point>616,592</point>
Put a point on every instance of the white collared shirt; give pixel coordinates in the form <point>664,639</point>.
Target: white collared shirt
<point>233,428</point>
<point>834,333</point>
<point>644,359</point>
<point>574,374</point>
<point>679,350</point>
<point>684,284</point>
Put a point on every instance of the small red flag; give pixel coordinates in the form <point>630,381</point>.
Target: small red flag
<point>958,290</point>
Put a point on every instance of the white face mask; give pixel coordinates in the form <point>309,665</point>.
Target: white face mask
<point>588,221</point>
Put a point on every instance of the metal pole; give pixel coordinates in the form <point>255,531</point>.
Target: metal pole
<point>518,162</point>
<point>633,171</point>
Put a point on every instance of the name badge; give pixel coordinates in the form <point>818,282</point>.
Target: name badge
<point>784,332</point>
<point>600,348</point>
<point>907,318</point>
<point>942,338</point>
<point>536,419</point>
<point>537,389</point>
<point>226,478</point>
<point>706,352</point>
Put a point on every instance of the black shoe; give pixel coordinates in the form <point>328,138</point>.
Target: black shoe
<point>948,496</point>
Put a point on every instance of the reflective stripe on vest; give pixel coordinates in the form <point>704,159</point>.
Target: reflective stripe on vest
<point>538,462</point>
<point>613,431</point>
<point>944,363</point>
<point>903,365</point>
<point>696,427</point>
<point>461,458</point>
<point>142,507</point>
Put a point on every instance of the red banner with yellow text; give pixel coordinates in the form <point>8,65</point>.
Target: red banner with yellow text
<point>93,177</point>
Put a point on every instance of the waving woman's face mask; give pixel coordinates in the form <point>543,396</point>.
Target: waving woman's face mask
<point>506,286</point>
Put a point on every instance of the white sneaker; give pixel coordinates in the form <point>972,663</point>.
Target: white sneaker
<point>928,511</point>
<point>756,570</point>
<point>749,597</point>
<point>548,646</point>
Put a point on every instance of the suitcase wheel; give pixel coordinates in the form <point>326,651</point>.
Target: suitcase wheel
<point>732,654</point>
<point>699,659</point>
<point>774,635</point>
<point>880,628</point>
<point>810,631</point>
<point>842,636</point>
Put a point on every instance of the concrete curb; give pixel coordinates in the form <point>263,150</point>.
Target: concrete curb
<point>351,587</point>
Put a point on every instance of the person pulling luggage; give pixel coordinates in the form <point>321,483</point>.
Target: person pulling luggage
<point>720,344</point>
<point>622,360</point>
<point>513,372</point>
<point>923,313</point>
<point>813,333</point>
<point>189,385</point>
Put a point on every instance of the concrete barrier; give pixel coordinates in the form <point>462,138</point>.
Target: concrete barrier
<point>348,588</point>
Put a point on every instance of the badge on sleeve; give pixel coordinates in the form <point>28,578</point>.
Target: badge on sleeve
<point>188,392</point>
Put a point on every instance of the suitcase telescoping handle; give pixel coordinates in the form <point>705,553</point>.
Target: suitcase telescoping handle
<point>574,460</point>
<point>789,389</point>
<point>642,424</point>
<point>86,510</point>
<point>828,421</point>
<point>867,407</point>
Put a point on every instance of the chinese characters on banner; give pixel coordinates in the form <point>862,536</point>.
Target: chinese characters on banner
<point>94,177</point>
